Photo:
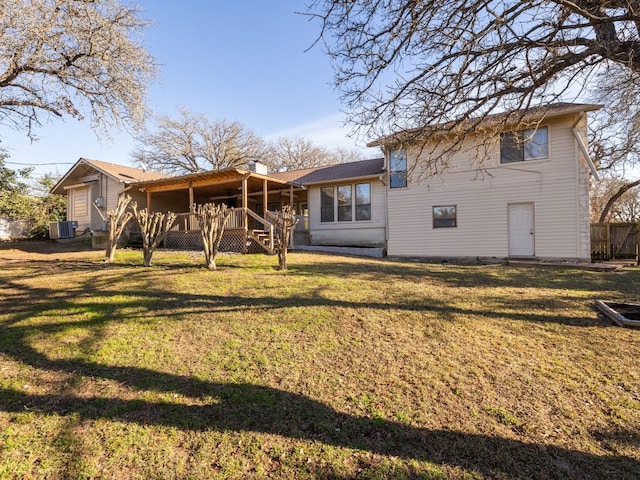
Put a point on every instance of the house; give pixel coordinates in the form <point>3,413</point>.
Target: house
<point>529,198</point>
<point>92,188</point>
<point>345,203</point>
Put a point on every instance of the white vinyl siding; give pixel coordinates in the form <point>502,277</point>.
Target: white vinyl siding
<point>352,233</point>
<point>550,184</point>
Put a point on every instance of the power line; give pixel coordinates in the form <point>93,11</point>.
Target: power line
<point>39,164</point>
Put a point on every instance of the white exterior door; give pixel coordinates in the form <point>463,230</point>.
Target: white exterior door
<point>521,230</point>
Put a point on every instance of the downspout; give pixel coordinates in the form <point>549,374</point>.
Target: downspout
<point>384,177</point>
<point>583,147</point>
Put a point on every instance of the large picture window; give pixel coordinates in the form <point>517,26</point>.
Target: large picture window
<point>326,204</point>
<point>445,216</point>
<point>524,145</point>
<point>345,203</point>
<point>363,201</point>
<point>348,202</point>
<point>397,168</point>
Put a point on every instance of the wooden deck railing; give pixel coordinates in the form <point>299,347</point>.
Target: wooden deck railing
<point>187,221</point>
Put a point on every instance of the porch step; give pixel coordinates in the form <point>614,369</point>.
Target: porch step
<point>261,237</point>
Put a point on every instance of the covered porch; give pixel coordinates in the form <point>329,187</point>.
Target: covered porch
<point>253,198</point>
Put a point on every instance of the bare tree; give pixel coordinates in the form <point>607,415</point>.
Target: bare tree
<point>212,219</point>
<point>615,199</point>
<point>403,64</point>
<point>297,153</point>
<point>155,227</point>
<point>118,219</point>
<point>71,58</point>
<point>614,142</point>
<point>192,143</point>
<point>285,221</point>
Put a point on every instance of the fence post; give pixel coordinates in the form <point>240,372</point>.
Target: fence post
<point>609,254</point>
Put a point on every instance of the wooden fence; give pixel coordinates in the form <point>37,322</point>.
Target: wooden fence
<point>615,240</point>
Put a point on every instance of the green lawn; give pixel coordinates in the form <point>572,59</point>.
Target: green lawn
<point>339,368</point>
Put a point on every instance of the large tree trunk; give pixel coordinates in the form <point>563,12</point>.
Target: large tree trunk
<point>621,191</point>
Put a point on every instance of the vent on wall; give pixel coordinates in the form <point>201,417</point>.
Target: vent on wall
<point>62,229</point>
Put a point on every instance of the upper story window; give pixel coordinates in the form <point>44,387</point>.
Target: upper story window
<point>397,168</point>
<point>524,145</point>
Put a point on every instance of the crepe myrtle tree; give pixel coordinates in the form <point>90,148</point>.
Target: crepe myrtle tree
<point>72,58</point>
<point>212,220</point>
<point>404,64</point>
<point>285,222</point>
<point>118,219</point>
<point>154,227</point>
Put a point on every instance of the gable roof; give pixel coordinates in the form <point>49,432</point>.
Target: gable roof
<point>120,173</point>
<point>123,173</point>
<point>340,171</point>
<point>502,119</point>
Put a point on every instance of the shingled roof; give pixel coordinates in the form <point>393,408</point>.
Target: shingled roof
<point>123,173</point>
<point>120,173</point>
<point>503,119</point>
<point>341,171</point>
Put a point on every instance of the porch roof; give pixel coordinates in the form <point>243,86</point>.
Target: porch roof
<point>215,178</point>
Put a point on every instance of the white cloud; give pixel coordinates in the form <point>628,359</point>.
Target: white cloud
<point>329,132</point>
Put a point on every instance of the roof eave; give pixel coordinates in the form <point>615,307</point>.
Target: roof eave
<point>416,134</point>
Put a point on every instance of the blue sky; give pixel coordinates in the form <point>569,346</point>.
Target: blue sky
<point>243,61</point>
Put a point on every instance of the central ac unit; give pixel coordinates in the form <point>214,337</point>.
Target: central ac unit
<point>62,229</point>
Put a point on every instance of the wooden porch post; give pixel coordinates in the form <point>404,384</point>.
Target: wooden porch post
<point>245,215</point>
<point>265,198</point>
<point>191,206</point>
<point>291,196</point>
<point>148,201</point>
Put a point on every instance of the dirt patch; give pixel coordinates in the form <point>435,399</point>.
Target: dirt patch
<point>40,250</point>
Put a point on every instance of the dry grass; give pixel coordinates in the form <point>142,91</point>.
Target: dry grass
<point>339,368</point>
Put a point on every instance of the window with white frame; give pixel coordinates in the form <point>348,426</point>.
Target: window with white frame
<point>531,144</point>
<point>445,216</point>
<point>363,201</point>
<point>326,204</point>
<point>397,168</point>
<point>345,203</point>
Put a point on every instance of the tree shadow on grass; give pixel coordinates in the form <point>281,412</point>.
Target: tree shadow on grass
<point>202,405</point>
<point>254,408</point>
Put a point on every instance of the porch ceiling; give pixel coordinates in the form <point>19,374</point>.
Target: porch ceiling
<point>227,179</point>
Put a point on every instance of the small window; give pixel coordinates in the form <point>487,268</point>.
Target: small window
<point>397,168</point>
<point>524,145</point>
<point>363,201</point>
<point>326,204</point>
<point>444,217</point>
<point>345,203</point>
